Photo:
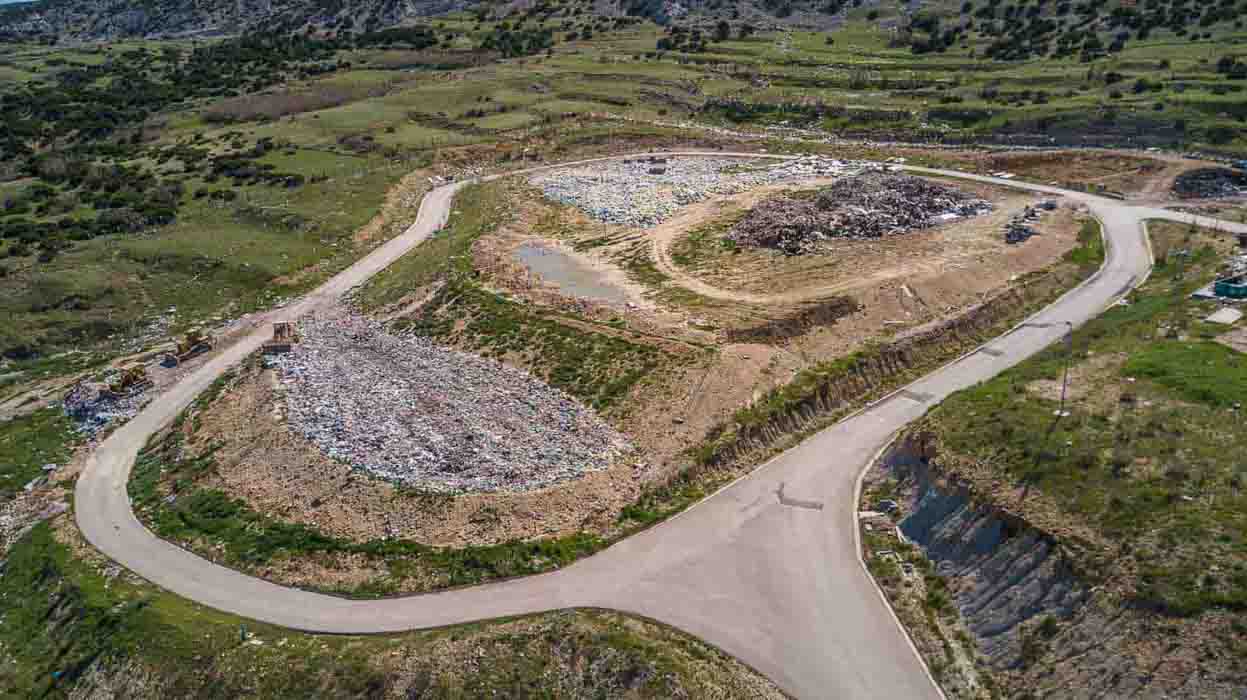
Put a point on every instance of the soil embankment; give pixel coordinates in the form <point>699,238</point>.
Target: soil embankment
<point>838,386</point>
<point>998,609</point>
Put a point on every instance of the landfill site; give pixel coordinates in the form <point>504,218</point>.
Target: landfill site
<point>432,417</point>
<point>611,319</point>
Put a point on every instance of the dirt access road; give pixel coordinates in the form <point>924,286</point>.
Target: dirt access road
<point>766,569</point>
<point>928,253</point>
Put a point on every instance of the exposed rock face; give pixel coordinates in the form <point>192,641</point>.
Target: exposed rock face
<point>1041,631</point>
<point>1006,574</point>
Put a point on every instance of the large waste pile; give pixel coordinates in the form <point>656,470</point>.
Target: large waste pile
<point>867,206</point>
<point>645,192</point>
<point>433,418</point>
<point>94,407</point>
<point>1210,182</point>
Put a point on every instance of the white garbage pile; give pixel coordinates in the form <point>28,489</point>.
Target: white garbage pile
<point>867,206</point>
<point>93,407</point>
<point>432,418</point>
<point>645,192</point>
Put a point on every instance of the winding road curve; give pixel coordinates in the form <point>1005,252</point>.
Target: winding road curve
<point>767,569</point>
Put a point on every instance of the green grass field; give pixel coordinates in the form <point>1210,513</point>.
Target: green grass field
<point>858,85</point>
<point>1148,458</point>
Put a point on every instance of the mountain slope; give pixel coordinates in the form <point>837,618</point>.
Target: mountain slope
<point>111,19</point>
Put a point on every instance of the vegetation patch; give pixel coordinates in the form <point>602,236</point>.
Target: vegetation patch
<point>29,442</point>
<point>1147,455</point>
<point>72,628</point>
<point>1204,372</point>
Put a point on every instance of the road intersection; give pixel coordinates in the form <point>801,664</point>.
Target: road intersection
<point>766,569</point>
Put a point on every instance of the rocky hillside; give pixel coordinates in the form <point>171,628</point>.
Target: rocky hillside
<point>111,19</point>
<point>1016,598</point>
<point>82,20</point>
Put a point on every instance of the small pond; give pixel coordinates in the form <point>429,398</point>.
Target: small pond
<point>573,276</point>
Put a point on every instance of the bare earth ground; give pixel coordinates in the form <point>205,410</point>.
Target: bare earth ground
<point>1138,177</point>
<point>842,265</point>
<point>1236,339</point>
<point>278,473</point>
<point>974,263</point>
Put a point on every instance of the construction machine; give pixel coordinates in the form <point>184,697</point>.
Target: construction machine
<point>132,380</point>
<point>284,336</point>
<point>192,344</point>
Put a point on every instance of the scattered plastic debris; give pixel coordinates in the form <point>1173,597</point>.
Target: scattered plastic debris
<point>642,194</point>
<point>434,418</point>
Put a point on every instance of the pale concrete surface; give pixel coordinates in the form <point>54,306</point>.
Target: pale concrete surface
<point>776,583</point>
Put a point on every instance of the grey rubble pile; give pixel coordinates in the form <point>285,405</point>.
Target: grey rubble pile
<point>1019,228</point>
<point>627,192</point>
<point>867,206</point>
<point>436,419</point>
<point>1206,183</point>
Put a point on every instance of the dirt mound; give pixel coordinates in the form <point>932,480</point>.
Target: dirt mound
<point>867,206</point>
<point>434,418</point>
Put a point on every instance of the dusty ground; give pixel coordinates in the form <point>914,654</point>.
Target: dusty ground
<point>950,251</point>
<point>538,223</point>
<point>1236,339</point>
<point>1094,383</point>
<point>1229,208</point>
<point>1145,177</point>
<point>722,365</point>
<point>280,473</point>
<point>1133,174</point>
<point>944,270</point>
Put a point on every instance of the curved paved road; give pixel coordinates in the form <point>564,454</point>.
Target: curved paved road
<point>773,579</point>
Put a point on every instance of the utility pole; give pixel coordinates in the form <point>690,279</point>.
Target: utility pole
<point>1069,351</point>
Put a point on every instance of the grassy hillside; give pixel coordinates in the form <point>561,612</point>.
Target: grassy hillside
<point>149,186</point>
<point>1147,460</point>
<point>76,627</point>
<point>230,167</point>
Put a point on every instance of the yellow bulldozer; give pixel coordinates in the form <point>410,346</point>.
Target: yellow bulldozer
<point>132,380</point>
<point>192,344</point>
<point>284,336</point>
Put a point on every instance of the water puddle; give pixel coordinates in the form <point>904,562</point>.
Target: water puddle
<point>573,276</point>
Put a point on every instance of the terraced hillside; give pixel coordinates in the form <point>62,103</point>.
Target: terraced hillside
<point>210,162</point>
